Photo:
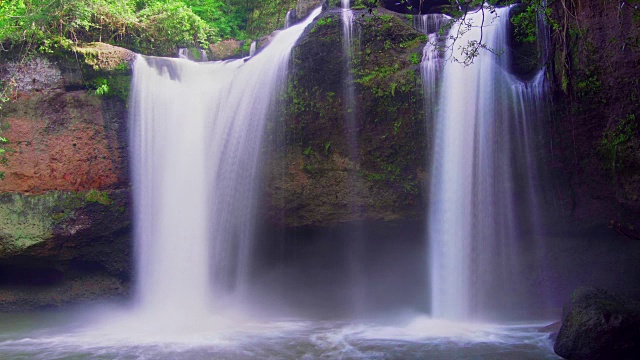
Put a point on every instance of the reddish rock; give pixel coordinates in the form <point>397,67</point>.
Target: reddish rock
<point>61,141</point>
<point>226,49</point>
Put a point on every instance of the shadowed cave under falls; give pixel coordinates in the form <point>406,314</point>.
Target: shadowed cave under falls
<point>473,279</point>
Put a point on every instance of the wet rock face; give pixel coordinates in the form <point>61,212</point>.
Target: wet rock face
<point>321,180</point>
<point>599,325</point>
<point>226,49</point>
<point>62,140</point>
<point>305,7</point>
<point>84,290</point>
<point>65,203</point>
<point>595,142</point>
<point>34,75</point>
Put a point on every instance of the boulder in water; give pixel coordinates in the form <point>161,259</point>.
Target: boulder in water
<point>598,324</point>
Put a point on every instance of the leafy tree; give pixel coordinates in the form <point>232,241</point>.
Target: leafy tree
<point>167,25</point>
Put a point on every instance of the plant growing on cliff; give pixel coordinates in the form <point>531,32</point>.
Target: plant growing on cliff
<point>97,196</point>
<point>101,86</point>
<point>3,159</point>
<point>615,138</point>
<point>5,89</point>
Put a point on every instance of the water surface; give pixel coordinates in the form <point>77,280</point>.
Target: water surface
<point>67,336</point>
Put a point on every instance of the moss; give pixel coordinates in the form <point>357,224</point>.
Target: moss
<point>103,56</point>
<point>29,220</point>
<point>100,197</point>
<point>382,178</point>
<point>618,144</point>
<point>111,83</point>
<point>324,22</point>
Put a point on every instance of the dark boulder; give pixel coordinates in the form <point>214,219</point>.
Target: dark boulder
<point>599,325</point>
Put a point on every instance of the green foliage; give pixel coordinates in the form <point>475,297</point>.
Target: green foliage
<point>414,59</point>
<point>246,47</point>
<point>615,138</point>
<point>224,19</point>
<point>154,27</point>
<point>44,25</point>
<point>378,73</point>
<point>260,18</point>
<point>525,23</point>
<point>150,26</point>
<point>327,148</point>
<point>97,196</point>
<point>172,24</point>
<point>4,97</point>
<point>308,151</point>
<point>101,86</point>
<point>3,150</point>
<point>324,21</point>
<point>588,86</point>
<point>307,168</point>
<point>396,126</point>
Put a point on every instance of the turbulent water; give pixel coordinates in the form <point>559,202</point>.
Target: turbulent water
<point>196,133</point>
<point>483,176</point>
<point>66,336</point>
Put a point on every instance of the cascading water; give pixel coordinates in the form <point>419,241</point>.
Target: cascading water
<point>183,53</point>
<point>196,132</point>
<point>356,238</point>
<point>481,192</point>
<point>288,19</point>
<point>430,23</point>
<point>432,57</point>
<point>347,48</point>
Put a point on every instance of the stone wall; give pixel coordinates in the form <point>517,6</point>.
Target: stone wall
<point>65,207</point>
<point>594,147</point>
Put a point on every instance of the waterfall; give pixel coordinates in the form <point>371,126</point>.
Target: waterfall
<point>252,49</point>
<point>432,57</point>
<point>288,20</point>
<point>196,132</point>
<point>183,53</point>
<point>347,48</point>
<point>429,23</point>
<point>482,196</point>
<point>355,248</point>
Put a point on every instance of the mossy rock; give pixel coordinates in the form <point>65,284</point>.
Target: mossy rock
<point>104,56</point>
<point>598,324</point>
<point>327,179</point>
<point>34,224</point>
